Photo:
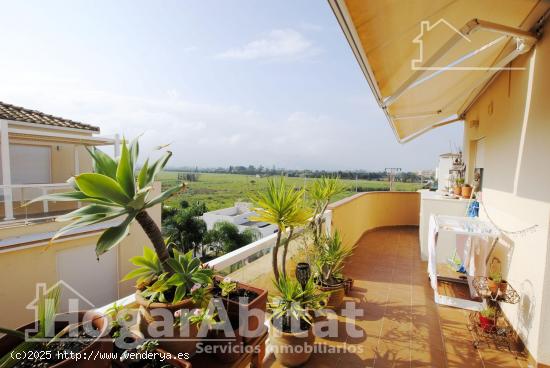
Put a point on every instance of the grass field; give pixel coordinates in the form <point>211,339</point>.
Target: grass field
<point>222,190</point>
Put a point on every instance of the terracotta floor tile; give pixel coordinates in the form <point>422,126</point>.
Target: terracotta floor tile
<point>402,326</point>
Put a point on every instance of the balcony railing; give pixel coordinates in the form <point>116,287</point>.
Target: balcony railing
<point>352,217</point>
<point>14,196</point>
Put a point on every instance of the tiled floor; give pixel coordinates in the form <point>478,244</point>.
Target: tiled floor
<point>402,326</point>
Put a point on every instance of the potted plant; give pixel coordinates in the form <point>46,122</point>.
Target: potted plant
<point>466,191</point>
<point>281,205</point>
<point>493,282</point>
<point>496,283</point>
<point>457,189</point>
<point>240,300</point>
<point>328,267</point>
<point>113,191</point>
<point>321,193</point>
<point>188,286</point>
<point>116,190</point>
<point>487,318</point>
<point>291,332</point>
<point>53,338</point>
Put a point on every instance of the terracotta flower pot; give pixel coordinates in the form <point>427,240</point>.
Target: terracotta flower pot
<point>457,190</point>
<point>492,286</point>
<point>238,311</point>
<point>7,343</point>
<point>466,191</point>
<point>337,294</point>
<point>178,341</point>
<point>486,324</point>
<point>291,349</point>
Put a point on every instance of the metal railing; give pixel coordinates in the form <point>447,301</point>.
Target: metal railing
<point>249,261</point>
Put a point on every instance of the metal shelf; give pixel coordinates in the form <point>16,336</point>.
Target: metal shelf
<point>481,287</point>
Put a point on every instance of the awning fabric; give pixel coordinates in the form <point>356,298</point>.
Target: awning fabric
<point>399,44</point>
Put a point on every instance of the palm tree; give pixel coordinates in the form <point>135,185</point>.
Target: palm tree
<point>281,205</point>
<point>113,191</point>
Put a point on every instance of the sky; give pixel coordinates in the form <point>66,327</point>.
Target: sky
<point>270,83</point>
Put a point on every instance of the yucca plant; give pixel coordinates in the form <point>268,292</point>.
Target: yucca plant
<point>114,190</point>
<point>294,302</point>
<point>329,258</point>
<point>321,192</point>
<point>281,205</point>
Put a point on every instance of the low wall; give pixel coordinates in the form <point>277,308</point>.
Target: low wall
<point>355,215</point>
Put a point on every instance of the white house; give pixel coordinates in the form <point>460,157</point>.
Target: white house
<point>238,215</point>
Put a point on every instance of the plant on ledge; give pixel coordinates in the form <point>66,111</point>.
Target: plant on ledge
<point>112,191</point>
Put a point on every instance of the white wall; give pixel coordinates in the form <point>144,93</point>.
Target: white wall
<point>514,120</point>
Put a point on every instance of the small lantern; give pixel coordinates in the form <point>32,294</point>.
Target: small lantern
<point>303,273</point>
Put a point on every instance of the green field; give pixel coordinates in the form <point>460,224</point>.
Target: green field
<point>222,190</point>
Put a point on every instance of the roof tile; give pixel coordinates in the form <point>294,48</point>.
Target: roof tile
<point>16,113</point>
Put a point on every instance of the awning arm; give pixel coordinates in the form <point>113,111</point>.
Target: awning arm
<point>527,39</point>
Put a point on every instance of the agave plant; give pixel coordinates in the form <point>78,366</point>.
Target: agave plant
<point>186,277</point>
<point>321,192</point>
<point>281,205</point>
<point>114,190</point>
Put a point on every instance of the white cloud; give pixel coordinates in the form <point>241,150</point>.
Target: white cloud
<point>279,44</point>
<point>210,134</point>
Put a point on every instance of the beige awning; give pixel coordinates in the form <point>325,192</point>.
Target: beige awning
<point>427,60</point>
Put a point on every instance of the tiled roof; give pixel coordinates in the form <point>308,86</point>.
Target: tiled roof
<point>11,112</point>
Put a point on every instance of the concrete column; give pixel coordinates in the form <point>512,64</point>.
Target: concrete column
<point>117,145</point>
<point>6,170</point>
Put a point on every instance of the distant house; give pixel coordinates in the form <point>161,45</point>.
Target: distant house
<point>38,153</point>
<point>239,215</point>
<point>442,171</point>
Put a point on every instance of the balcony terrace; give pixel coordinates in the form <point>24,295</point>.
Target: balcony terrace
<point>402,325</point>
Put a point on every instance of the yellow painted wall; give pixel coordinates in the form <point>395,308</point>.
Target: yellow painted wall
<point>21,270</point>
<point>514,118</point>
<point>366,211</point>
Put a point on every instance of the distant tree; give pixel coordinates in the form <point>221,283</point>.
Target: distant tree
<point>225,237</point>
<point>185,229</point>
